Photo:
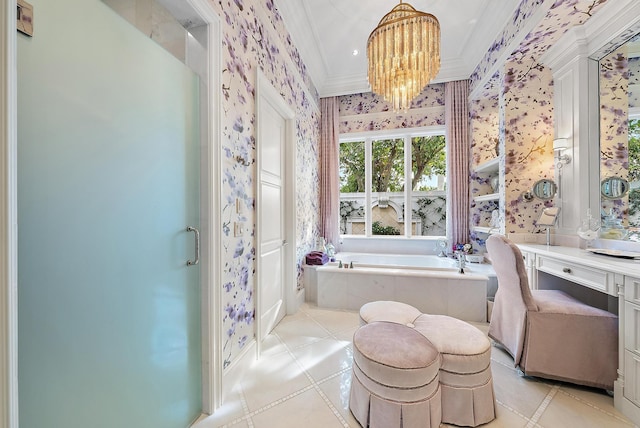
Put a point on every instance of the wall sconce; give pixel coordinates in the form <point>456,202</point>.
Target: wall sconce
<point>560,145</point>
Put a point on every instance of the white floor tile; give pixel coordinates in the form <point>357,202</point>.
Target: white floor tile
<point>310,355</point>
<point>306,410</point>
<point>272,378</point>
<point>324,357</point>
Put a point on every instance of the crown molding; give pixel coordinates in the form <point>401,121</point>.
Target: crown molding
<point>296,20</point>
<point>612,21</point>
<point>451,70</point>
<point>571,45</point>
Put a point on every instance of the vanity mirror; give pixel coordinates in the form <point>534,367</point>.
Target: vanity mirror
<point>614,188</point>
<point>544,189</point>
<point>619,113</point>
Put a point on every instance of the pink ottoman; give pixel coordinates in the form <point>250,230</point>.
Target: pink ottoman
<point>465,371</point>
<point>384,310</point>
<point>394,383</point>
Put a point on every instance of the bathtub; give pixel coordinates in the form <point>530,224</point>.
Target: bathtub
<point>430,283</point>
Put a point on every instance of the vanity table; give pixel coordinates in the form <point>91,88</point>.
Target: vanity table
<point>615,277</point>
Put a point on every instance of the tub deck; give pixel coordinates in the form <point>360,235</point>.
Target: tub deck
<point>432,290</point>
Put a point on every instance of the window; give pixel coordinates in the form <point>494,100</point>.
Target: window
<point>385,179</point>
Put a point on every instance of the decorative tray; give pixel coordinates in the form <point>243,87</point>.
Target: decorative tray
<point>615,253</point>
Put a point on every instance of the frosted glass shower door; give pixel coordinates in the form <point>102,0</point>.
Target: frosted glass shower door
<point>108,181</point>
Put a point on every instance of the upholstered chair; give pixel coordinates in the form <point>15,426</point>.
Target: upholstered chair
<point>548,333</point>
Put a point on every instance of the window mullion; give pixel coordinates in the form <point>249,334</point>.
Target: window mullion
<point>367,178</point>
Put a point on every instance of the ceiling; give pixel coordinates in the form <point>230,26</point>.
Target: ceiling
<point>326,33</point>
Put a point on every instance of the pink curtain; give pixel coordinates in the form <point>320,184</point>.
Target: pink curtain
<point>329,186</point>
<point>456,100</point>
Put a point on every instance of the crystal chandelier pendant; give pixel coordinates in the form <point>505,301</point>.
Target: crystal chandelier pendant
<point>403,52</point>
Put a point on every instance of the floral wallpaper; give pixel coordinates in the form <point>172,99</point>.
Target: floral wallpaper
<point>528,140</point>
<point>488,64</point>
<point>485,145</point>
<point>522,120</point>
<point>614,120</point>
<point>370,112</point>
<point>485,141</point>
<point>254,37</point>
<point>561,16</point>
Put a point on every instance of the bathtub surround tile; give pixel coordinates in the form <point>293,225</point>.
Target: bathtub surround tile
<point>467,299</point>
<point>408,291</point>
<point>308,383</point>
<point>336,296</point>
<point>361,287</point>
<point>433,291</point>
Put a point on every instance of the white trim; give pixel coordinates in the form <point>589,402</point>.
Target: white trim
<point>609,23</point>
<point>8,219</point>
<point>394,133</point>
<point>211,327</point>
<point>405,134</point>
<point>240,365</point>
<point>566,50</point>
<point>265,92</point>
<point>634,113</point>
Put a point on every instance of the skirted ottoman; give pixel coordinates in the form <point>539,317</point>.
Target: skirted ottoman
<point>465,370</point>
<point>384,310</point>
<point>465,378</point>
<point>394,383</point>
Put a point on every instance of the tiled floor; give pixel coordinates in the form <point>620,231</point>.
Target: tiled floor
<point>303,380</point>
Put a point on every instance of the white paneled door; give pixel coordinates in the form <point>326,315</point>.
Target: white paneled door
<point>271,222</point>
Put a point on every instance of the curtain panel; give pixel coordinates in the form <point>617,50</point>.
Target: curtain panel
<point>456,95</point>
<point>329,164</point>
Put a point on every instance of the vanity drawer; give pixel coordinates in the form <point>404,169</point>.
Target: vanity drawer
<point>632,289</point>
<point>589,277</point>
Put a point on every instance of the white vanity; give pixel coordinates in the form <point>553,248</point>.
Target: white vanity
<point>614,282</point>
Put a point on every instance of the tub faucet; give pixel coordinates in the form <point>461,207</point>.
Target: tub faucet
<point>461,261</point>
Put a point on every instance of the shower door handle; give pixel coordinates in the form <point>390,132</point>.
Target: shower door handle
<point>197,247</point>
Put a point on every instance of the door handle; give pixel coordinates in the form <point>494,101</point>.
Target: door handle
<point>197,248</point>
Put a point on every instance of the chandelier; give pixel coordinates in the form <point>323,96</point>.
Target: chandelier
<point>404,54</point>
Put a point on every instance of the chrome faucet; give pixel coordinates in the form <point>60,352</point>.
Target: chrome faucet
<point>461,261</point>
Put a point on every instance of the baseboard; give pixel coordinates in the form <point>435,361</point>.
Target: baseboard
<point>626,407</point>
<point>233,375</point>
<point>198,419</point>
<point>300,298</point>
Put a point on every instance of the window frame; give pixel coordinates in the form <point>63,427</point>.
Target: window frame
<point>406,134</point>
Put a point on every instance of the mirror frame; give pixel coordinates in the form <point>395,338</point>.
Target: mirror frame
<point>544,189</point>
<point>609,184</point>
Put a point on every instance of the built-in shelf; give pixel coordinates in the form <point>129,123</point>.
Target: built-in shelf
<point>484,229</point>
<point>488,167</point>
<point>489,197</point>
